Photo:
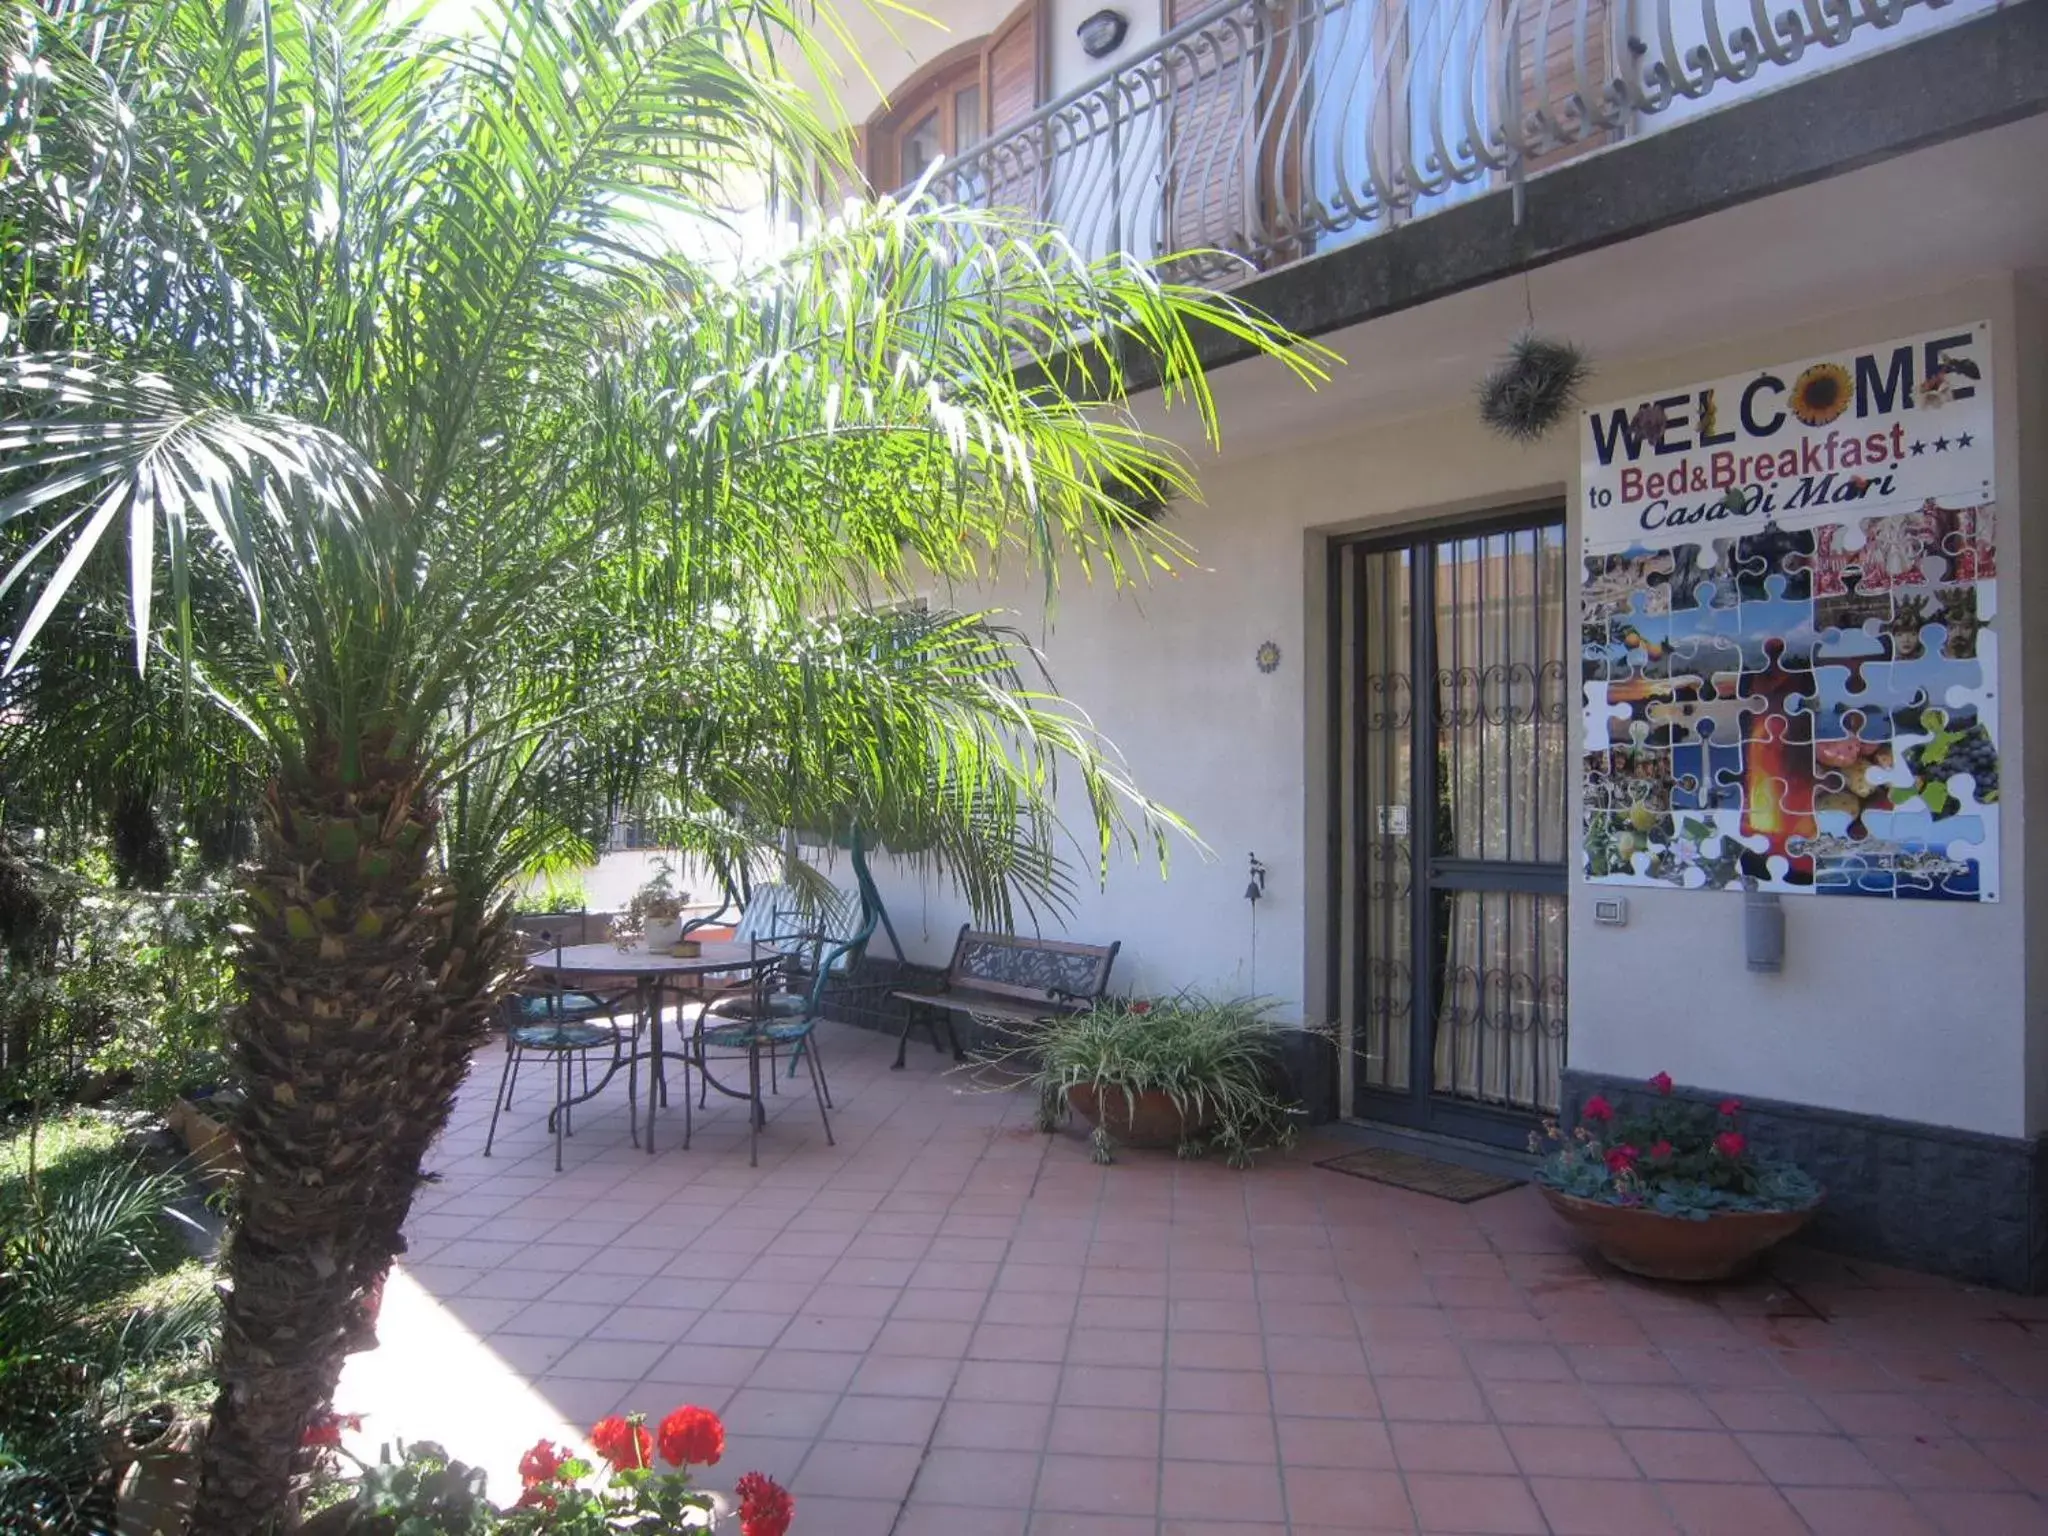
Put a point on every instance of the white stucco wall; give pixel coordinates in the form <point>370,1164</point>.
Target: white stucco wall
<point>1917,1011</point>
<point>1895,1008</point>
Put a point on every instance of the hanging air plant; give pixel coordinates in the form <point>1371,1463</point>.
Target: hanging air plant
<point>1534,387</point>
<point>1144,497</point>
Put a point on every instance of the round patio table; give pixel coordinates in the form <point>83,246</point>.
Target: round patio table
<point>651,972</point>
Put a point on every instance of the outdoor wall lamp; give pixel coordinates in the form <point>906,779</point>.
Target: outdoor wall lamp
<point>1103,33</point>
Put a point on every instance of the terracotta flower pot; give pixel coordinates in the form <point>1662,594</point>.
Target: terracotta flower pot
<point>1152,1119</point>
<point>209,1139</point>
<point>155,1456</point>
<point>1660,1247</point>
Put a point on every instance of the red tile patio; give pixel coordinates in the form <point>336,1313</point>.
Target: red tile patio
<point>949,1325</point>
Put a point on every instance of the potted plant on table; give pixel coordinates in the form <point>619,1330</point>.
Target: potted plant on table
<point>1675,1192</point>
<point>656,911</point>
<point>1188,1072</point>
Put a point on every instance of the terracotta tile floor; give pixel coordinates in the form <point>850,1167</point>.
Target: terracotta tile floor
<point>949,1325</point>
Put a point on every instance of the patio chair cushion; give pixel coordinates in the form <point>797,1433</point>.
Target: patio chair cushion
<point>740,1034</point>
<point>564,1036</point>
<point>539,1008</point>
<point>779,1005</point>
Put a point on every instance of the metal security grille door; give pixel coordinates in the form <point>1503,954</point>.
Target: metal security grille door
<point>1450,765</point>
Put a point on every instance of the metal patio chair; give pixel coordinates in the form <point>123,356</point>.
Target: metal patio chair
<point>779,1013</point>
<point>565,1027</point>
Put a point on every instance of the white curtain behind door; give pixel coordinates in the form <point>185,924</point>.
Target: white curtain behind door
<point>1501,762</point>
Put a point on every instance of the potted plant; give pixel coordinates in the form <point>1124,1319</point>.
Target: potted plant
<point>1674,1193</point>
<point>1189,1072</point>
<point>153,1456</point>
<point>203,1118</point>
<point>656,910</point>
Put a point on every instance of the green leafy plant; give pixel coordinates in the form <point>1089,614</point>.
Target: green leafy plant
<point>422,1491</point>
<point>101,1313</point>
<point>555,893</point>
<point>1216,1061</point>
<point>1677,1158</point>
<point>640,1483</point>
<point>105,988</point>
<point>658,900</point>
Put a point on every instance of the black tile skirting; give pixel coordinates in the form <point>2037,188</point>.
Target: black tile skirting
<point>1924,1196</point>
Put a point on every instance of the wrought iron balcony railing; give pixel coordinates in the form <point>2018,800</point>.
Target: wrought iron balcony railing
<point>1269,129</point>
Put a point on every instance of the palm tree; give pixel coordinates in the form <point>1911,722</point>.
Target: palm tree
<point>358,374</point>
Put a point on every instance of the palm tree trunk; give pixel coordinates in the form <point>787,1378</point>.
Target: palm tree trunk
<point>472,973</point>
<point>343,912</point>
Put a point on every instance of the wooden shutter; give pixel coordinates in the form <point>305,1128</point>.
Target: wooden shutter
<point>1212,186</point>
<point>1018,176</point>
<point>1012,69</point>
<point>1550,72</point>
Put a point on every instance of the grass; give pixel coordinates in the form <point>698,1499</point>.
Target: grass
<point>73,1150</point>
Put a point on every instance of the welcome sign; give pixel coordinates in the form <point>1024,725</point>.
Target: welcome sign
<point>1789,645</point>
<point>1904,421</point>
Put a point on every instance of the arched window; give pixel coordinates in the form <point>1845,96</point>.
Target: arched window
<point>968,93</point>
<point>941,117</point>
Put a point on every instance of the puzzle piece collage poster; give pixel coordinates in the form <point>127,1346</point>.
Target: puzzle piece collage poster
<point>1789,629</point>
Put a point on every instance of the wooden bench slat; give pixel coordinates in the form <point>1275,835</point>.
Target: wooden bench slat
<point>986,1003</point>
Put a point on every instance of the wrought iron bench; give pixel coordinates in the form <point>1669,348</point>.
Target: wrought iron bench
<point>1001,976</point>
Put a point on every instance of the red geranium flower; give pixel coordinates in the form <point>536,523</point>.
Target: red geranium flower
<point>1660,1151</point>
<point>1731,1143</point>
<point>541,1464</point>
<point>1597,1108</point>
<point>1620,1159</point>
<point>1661,1082</point>
<point>536,1496</point>
<point>766,1507</point>
<point>691,1437</point>
<point>623,1442</point>
<point>1731,1107</point>
<point>325,1429</point>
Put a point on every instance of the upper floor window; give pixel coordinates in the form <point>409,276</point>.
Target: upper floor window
<point>977,90</point>
<point>940,118</point>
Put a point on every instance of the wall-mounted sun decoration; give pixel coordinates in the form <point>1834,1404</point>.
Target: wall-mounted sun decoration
<point>1268,657</point>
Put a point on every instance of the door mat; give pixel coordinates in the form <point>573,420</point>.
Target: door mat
<point>1424,1175</point>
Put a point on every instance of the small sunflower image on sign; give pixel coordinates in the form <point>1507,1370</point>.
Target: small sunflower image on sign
<point>1268,657</point>
<point>1821,393</point>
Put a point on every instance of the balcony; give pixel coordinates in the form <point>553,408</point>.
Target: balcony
<point>1261,132</point>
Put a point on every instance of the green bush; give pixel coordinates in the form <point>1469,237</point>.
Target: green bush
<point>102,1312</point>
<point>554,893</point>
<point>101,986</point>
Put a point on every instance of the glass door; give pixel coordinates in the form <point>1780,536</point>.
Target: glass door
<point>1450,759</point>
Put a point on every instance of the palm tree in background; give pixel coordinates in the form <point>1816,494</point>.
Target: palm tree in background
<point>352,377</point>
